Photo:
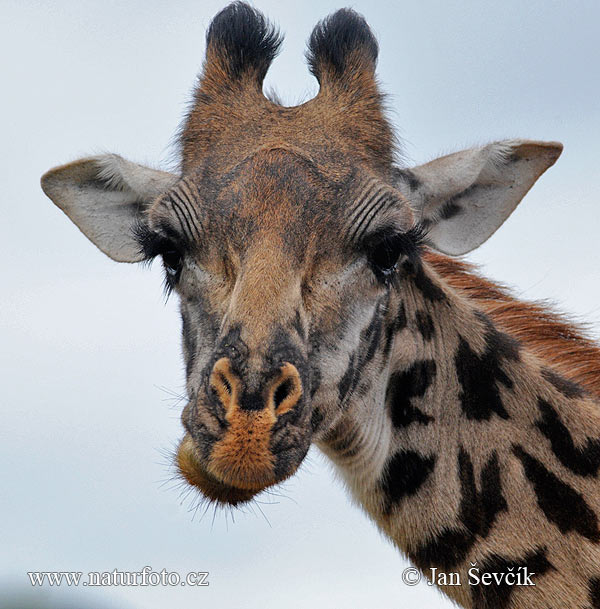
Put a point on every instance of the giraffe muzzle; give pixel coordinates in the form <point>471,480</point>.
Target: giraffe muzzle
<point>264,434</point>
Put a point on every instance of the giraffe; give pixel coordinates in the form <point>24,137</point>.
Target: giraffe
<point>321,304</point>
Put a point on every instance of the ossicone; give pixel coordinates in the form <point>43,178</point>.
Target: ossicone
<point>341,47</point>
<point>240,44</point>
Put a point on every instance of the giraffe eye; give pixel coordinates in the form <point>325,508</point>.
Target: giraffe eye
<point>172,260</point>
<point>384,259</point>
<point>385,247</point>
<point>383,250</point>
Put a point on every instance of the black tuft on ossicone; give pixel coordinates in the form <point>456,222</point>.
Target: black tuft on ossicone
<point>336,38</point>
<point>245,40</point>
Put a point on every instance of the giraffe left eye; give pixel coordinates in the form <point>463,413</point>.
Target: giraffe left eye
<point>382,249</point>
<point>385,247</point>
<point>384,259</point>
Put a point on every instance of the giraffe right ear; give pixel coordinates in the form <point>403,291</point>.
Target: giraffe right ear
<point>106,196</point>
<point>463,198</point>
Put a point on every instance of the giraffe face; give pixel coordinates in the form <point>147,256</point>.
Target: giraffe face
<point>279,271</point>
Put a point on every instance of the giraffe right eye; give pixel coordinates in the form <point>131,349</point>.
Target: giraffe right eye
<point>172,260</point>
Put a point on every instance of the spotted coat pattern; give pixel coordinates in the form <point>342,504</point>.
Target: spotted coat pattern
<point>492,457</point>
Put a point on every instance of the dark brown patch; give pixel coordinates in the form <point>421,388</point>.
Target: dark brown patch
<point>478,375</point>
<point>584,460</point>
<point>568,388</point>
<point>316,419</point>
<point>497,596</point>
<point>423,282</point>
<point>404,474</point>
<point>346,383</point>
<point>392,329</point>
<point>425,325</point>
<point>490,497</point>
<point>189,342</point>
<point>370,341</point>
<point>477,514</point>
<point>594,592</point>
<point>408,384</point>
<point>299,326</point>
<point>561,504</point>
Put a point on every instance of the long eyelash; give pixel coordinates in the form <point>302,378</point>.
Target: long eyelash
<point>168,286</point>
<point>152,245</point>
<point>409,243</point>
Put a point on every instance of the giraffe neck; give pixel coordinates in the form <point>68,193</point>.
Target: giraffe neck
<point>477,452</point>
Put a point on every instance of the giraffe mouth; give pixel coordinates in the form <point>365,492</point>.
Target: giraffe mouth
<point>211,486</point>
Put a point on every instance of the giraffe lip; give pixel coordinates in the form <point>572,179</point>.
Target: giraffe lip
<point>212,487</point>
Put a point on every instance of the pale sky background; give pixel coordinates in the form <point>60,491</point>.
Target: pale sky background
<point>87,343</point>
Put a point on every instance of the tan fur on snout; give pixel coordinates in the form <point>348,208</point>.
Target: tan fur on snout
<point>243,457</point>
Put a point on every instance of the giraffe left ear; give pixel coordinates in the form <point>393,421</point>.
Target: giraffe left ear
<point>463,198</point>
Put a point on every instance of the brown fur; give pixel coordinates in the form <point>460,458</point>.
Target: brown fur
<point>195,474</point>
<point>243,456</point>
<point>550,336</point>
<point>351,125</point>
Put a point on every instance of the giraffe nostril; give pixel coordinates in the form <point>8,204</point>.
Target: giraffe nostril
<point>225,382</point>
<point>286,391</point>
<point>282,392</point>
<point>222,382</point>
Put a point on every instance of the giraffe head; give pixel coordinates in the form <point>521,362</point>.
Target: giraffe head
<point>282,235</point>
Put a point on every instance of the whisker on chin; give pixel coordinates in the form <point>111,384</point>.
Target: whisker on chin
<point>175,397</point>
<point>263,514</point>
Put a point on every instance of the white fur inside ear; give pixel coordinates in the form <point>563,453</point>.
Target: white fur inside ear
<point>109,171</point>
<point>499,153</point>
<point>106,198</point>
<point>463,198</point>
<point>120,174</point>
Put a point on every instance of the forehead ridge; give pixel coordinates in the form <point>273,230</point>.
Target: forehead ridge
<point>320,127</point>
<point>277,195</point>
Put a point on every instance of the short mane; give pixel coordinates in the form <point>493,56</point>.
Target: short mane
<point>549,335</point>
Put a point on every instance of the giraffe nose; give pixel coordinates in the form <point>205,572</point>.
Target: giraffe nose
<point>280,395</point>
<point>286,390</point>
<point>225,384</point>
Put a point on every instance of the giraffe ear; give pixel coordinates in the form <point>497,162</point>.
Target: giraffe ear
<point>463,198</point>
<point>105,196</point>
